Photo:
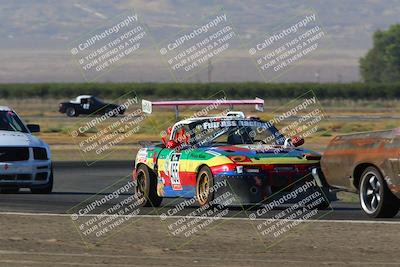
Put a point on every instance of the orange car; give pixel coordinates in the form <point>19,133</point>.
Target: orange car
<point>367,163</point>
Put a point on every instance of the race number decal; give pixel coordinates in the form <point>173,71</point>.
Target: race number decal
<point>174,171</point>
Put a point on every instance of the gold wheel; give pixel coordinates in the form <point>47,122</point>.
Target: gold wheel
<point>204,183</point>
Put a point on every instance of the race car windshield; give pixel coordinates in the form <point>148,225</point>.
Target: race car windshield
<point>236,132</point>
<point>9,121</point>
<point>95,99</point>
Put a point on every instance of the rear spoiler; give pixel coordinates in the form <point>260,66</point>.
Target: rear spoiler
<point>147,106</point>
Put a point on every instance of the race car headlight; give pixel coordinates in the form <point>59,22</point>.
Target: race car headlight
<point>40,153</point>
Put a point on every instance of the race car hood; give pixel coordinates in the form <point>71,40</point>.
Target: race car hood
<point>9,138</point>
<point>258,150</point>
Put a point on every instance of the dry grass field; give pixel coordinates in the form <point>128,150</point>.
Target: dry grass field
<point>342,116</point>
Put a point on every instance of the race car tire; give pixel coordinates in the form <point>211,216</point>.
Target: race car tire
<point>205,181</point>
<point>9,190</point>
<point>47,189</point>
<point>376,199</point>
<point>146,187</point>
<point>71,112</point>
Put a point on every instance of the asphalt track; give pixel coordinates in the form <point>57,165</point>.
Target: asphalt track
<point>76,182</point>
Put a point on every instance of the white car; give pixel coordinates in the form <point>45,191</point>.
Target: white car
<point>25,160</point>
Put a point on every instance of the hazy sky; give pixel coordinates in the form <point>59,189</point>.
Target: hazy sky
<point>203,40</point>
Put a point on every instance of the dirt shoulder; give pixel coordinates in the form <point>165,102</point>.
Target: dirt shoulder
<point>53,241</point>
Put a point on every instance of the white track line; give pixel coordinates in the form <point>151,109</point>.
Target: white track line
<point>166,257</point>
<point>198,217</point>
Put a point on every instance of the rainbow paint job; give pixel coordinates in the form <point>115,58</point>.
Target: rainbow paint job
<point>251,170</point>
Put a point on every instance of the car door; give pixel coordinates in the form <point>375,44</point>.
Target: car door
<point>173,170</point>
<point>180,178</point>
<point>85,105</point>
<point>96,105</point>
<point>169,166</point>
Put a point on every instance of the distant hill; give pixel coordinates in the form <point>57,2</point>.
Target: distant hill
<point>35,34</point>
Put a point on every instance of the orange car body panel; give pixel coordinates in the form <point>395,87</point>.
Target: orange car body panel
<point>346,154</point>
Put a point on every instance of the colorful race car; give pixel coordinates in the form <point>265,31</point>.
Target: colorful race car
<point>208,156</point>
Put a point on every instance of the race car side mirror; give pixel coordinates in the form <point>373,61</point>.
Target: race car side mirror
<point>33,128</point>
<point>172,144</point>
<point>297,141</point>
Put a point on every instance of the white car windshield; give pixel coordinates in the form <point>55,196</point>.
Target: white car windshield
<point>9,121</point>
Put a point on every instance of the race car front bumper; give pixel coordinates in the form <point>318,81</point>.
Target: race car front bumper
<point>251,188</point>
<point>242,190</point>
<point>25,174</point>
